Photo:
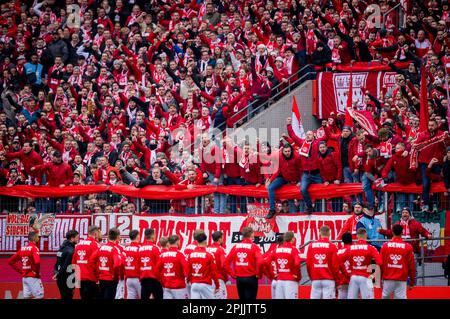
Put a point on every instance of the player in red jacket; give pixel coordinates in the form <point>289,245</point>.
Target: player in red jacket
<point>109,261</point>
<point>344,267</point>
<point>131,266</point>
<point>287,263</point>
<point>30,269</point>
<point>360,256</point>
<point>270,266</point>
<point>323,266</point>
<point>246,260</point>
<point>398,264</point>
<point>350,224</point>
<point>219,253</point>
<point>84,256</point>
<point>172,267</point>
<point>202,271</point>
<point>148,259</point>
<point>190,248</point>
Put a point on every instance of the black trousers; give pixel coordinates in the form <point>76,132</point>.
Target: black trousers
<point>247,287</point>
<point>65,292</point>
<point>88,290</point>
<point>108,289</point>
<point>151,286</point>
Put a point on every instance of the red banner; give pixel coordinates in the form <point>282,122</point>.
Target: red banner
<point>122,222</point>
<point>332,89</point>
<point>50,244</point>
<point>317,191</point>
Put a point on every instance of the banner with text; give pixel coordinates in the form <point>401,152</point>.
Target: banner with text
<point>332,89</point>
<point>48,245</point>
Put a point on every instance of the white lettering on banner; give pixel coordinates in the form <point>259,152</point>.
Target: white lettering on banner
<point>389,80</point>
<point>50,244</point>
<point>107,221</point>
<point>306,228</point>
<point>341,85</point>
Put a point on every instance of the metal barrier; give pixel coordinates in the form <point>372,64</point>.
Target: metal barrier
<point>429,267</point>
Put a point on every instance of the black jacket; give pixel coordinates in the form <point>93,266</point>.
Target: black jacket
<point>150,181</point>
<point>64,258</point>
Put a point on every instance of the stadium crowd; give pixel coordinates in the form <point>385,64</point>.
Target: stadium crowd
<point>116,93</point>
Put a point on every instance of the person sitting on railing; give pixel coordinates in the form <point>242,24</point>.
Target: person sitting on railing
<point>309,155</point>
<point>287,171</point>
<point>371,167</point>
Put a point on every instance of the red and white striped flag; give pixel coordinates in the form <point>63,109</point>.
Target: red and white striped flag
<point>297,125</point>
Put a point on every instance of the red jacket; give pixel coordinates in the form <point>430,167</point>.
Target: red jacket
<point>250,168</point>
<point>436,150</point>
<point>415,229</point>
<point>330,167</point>
<point>400,164</point>
<point>398,261</point>
<point>230,164</point>
<point>220,256</point>
<point>360,256</point>
<point>28,160</point>
<point>289,169</point>
<point>132,260</point>
<point>29,257</point>
<point>172,267</point>
<point>190,248</point>
<point>354,148</point>
<point>210,160</point>
<point>344,267</point>
<point>109,261</point>
<point>321,261</point>
<point>287,262</point>
<point>350,226</point>
<point>148,260</point>
<point>245,258</point>
<point>85,256</point>
<point>56,174</point>
<point>201,267</point>
<point>311,162</point>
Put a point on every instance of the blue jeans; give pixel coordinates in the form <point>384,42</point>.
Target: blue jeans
<point>233,199</point>
<point>277,183</point>
<point>220,200</point>
<point>367,187</point>
<point>436,169</point>
<point>190,210</point>
<point>308,179</point>
<point>403,200</point>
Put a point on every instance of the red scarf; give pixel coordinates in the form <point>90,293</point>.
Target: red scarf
<point>305,149</point>
<point>245,163</point>
<point>386,149</point>
<point>406,234</point>
<point>422,146</point>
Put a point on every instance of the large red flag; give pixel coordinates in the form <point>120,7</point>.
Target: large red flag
<point>297,124</point>
<point>424,116</point>
<point>348,118</point>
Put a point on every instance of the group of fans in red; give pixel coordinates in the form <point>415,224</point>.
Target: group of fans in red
<point>145,269</point>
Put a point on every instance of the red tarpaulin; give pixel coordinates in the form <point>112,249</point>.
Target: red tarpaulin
<point>173,192</point>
